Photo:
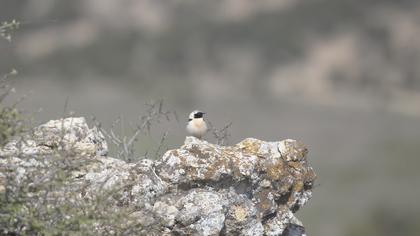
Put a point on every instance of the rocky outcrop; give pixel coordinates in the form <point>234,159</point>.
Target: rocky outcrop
<point>251,188</point>
<point>71,134</point>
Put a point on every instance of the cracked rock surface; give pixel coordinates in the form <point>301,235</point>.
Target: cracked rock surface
<point>251,188</point>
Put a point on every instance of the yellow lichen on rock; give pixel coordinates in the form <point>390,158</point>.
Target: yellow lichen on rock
<point>250,145</point>
<point>292,150</point>
<point>240,213</point>
<point>276,170</point>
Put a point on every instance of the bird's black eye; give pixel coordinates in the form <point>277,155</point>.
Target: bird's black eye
<point>198,115</point>
<point>189,119</point>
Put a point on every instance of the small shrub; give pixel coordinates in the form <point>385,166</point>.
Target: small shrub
<point>11,122</point>
<point>46,200</point>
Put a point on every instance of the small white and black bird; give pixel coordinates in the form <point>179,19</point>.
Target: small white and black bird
<point>196,126</point>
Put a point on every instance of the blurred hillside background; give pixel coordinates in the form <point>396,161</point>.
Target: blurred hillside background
<point>341,76</point>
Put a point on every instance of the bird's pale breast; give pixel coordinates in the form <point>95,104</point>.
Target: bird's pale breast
<point>197,127</point>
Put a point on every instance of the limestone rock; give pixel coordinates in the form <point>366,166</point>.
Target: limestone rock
<point>251,188</point>
<point>69,134</point>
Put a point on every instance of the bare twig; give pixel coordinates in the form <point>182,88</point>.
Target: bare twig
<point>125,144</point>
<point>6,29</point>
<point>161,145</point>
<point>221,135</point>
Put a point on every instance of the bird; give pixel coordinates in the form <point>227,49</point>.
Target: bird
<point>196,126</point>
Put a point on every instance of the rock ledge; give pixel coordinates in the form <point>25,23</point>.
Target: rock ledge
<point>251,188</point>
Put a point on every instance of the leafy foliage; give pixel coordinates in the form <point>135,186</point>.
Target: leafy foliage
<point>11,122</point>
<point>45,199</point>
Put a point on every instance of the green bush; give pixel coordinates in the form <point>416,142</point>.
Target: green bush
<point>45,200</point>
<point>10,123</point>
